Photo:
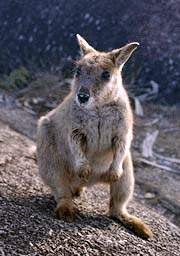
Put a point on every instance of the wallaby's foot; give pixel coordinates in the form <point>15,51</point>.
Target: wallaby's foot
<point>64,212</point>
<point>136,225</point>
<point>84,171</point>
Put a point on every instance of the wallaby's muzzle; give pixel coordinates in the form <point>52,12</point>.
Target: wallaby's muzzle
<point>83,95</point>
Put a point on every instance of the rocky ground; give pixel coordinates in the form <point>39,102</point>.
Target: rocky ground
<point>28,225</point>
<point>41,35</point>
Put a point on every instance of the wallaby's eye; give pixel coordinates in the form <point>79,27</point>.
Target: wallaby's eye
<point>105,75</point>
<point>78,71</point>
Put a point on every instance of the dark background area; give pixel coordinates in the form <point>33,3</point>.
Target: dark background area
<point>40,35</point>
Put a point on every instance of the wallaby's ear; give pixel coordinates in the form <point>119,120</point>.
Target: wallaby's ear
<point>84,46</point>
<point>122,54</point>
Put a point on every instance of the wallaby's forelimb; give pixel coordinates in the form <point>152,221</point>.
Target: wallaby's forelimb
<point>81,164</point>
<point>116,168</point>
<point>115,171</point>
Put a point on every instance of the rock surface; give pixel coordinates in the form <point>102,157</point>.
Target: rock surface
<point>29,227</point>
<point>41,34</point>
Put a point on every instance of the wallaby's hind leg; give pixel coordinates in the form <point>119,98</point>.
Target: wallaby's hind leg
<point>63,197</point>
<point>62,194</point>
<point>121,193</point>
<point>52,169</point>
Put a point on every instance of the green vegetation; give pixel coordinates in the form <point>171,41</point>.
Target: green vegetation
<point>17,79</point>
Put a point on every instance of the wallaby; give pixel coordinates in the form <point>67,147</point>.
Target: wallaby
<point>87,138</point>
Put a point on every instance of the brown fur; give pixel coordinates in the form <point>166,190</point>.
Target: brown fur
<point>82,144</point>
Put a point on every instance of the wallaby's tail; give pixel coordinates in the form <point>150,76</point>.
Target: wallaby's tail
<point>33,152</point>
<point>136,225</point>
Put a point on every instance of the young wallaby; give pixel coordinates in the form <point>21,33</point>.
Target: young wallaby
<point>87,138</point>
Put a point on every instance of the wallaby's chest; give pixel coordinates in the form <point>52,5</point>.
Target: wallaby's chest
<point>99,136</point>
<point>100,127</point>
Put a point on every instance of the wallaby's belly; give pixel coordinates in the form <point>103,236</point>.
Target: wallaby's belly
<point>101,162</point>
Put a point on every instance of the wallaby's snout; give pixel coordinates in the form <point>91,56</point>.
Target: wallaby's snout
<point>83,95</point>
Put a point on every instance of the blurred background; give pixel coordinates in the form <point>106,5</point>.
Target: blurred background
<point>39,36</point>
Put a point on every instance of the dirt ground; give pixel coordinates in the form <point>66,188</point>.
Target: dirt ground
<point>28,225</point>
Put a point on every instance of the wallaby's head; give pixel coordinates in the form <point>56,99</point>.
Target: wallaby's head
<point>98,74</point>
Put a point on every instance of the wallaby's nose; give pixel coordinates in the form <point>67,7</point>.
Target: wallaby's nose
<point>83,95</point>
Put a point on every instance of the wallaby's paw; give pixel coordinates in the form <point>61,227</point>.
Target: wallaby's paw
<point>114,176</point>
<point>84,171</point>
<point>64,213</point>
<point>109,177</point>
